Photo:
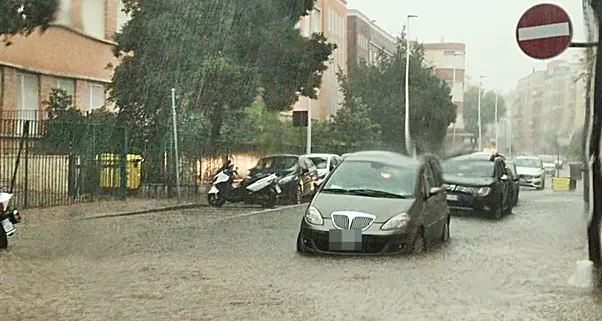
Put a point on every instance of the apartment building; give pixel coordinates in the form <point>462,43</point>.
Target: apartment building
<point>366,40</point>
<point>448,61</point>
<point>550,106</point>
<point>329,17</point>
<point>71,55</point>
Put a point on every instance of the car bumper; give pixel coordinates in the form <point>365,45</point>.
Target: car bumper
<point>315,240</point>
<point>531,182</point>
<point>466,203</point>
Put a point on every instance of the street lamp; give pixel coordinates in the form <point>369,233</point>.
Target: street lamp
<point>407,86</point>
<point>479,113</point>
<point>453,86</point>
<point>496,131</point>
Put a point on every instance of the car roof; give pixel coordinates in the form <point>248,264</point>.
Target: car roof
<point>526,157</point>
<point>281,155</point>
<point>320,155</point>
<point>385,157</point>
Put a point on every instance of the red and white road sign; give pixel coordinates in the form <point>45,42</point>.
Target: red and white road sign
<point>544,31</point>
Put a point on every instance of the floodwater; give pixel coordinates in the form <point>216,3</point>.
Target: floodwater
<point>208,264</point>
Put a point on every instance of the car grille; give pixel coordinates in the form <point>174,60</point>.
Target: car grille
<point>460,188</point>
<point>352,220</point>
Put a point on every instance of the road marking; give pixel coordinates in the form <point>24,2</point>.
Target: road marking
<point>269,210</point>
<point>545,31</point>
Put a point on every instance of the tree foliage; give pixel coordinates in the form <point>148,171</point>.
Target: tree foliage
<point>24,16</point>
<point>219,55</point>
<point>375,100</point>
<point>471,116</point>
<point>68,129</point>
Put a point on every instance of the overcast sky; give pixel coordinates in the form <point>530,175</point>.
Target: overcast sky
<point>487,27</point>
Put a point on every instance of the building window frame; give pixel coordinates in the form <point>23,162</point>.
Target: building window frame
<point>91,102</point>
<point>24,113</point>
<point>97,28</point>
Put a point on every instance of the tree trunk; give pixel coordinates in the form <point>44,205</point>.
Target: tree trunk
<point>217,120</point>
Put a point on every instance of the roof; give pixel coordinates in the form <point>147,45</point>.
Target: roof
<point>525,157</point>
<point>385,157</point>
<point>281,155</point>
<point>320,155</point>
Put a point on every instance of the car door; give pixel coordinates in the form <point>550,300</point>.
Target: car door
<point>504,184</point>
<point>439,200</point>
<point>430,212</point>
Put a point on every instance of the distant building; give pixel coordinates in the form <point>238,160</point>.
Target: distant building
<point>550,105</point>
<point>71,55</point>
<point>448,61</point>
<point>366,40</point>
<point>329,17</point>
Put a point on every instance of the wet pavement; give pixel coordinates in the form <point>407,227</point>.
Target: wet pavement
<point>231,264</point>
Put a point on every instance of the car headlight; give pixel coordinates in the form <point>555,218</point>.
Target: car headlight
<point>313,216</point>
<point>483,191</point>
<point>397,221</point>
<point>537,176</point>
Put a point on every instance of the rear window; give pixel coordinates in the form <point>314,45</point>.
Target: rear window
<point>277,162</point>
<point>469,168</point>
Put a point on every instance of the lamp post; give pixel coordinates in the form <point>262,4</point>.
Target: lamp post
<point>495,121</point>
<point>479,114</point>
<point>407,87</point>
<point>453,86</point>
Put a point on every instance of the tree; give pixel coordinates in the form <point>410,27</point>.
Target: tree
<point>24,16</point>
<point>219,55</point>
<point>471,117</point>
<point>380,87</point>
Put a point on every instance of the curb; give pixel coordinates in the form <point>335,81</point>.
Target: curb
<point>148,211</point>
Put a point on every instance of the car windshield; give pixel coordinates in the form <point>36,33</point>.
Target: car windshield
<point>469,168</point>
<point>319,161</point>
<point>547,158</point>
<point>277,162</point>
<point>527,162</point>
<point>382,179</point>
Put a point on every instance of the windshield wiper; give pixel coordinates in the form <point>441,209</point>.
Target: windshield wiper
<point>375,193</point>
<point>336,190</point>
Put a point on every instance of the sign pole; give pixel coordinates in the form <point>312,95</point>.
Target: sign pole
<point>175,140</point>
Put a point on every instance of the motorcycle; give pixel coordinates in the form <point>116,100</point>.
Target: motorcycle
<point>8,218</point>
<point>259,189</point>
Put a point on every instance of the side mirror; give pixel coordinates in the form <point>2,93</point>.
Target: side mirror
<point>435,190</point>
<point>505,177</point>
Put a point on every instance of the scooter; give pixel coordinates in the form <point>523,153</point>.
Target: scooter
<point>8,218</point>
<point>260,189</point>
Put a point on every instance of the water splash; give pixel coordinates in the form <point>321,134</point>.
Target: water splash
<point>583,278</point>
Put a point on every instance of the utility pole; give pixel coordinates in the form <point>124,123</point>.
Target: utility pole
<point>407,89</point>
<point>496,131</point>
<point>479,115</point>
<point>175,140</point>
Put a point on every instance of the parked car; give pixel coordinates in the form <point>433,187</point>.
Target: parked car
<point>297,175</point>
<point>531,172</point>
<point>325,163</point>
<point>515,180</point>
<point>478,185</point>
<point>549,164</point>
<point>377,202</point>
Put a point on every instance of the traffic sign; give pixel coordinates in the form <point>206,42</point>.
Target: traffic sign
<point>544,31</point>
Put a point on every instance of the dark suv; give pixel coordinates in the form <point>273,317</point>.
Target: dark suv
<point>297,175</point>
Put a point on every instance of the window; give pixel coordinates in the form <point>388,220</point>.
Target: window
<point>68,85</point>
<point>122,17</point>
<point>28,104</point>
<point>96,96</point>
<point>63,14</point>
<point>449,53</point>
<point>316,20</point>
<point>93,17</point>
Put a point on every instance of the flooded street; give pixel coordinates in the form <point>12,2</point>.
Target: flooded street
<point>227,264</point>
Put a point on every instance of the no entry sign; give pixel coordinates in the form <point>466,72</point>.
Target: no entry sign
<point>544,31</point>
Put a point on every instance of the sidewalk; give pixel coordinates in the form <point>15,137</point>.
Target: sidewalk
<point>86,210</point>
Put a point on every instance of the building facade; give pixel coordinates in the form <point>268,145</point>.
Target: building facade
<point>330,18</point>
<point>449,60</point>
<point>549,108</point>
<point>71,55</point>
<point>366,40</point>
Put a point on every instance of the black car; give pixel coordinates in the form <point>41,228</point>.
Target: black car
<point>515,180</point>
<point>478,184</point>
<point>297,175</point>
<point>377,202</point>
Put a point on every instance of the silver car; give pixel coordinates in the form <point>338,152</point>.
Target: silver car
<point>530,171</point>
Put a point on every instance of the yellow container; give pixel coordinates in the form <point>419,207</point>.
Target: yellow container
<point>561,184</point>
<point>110,171</point>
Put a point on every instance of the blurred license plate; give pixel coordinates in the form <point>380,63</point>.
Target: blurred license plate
<point>345,240</point>
<point>452,197</point>
<point>8,227</point>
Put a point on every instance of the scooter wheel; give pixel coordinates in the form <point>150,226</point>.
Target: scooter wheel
<point>214,201</point>
<point>3,239</point>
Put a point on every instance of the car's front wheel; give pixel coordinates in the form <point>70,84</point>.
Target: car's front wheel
<point>445,235</point>
<point>300,248</point>
<point>419,244</point>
